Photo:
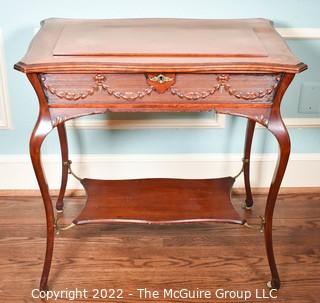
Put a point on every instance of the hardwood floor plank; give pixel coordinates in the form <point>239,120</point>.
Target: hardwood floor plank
<point>129,256</point>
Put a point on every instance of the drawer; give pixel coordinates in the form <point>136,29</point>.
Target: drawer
<point>159,88</point>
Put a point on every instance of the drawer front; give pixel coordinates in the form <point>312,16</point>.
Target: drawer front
<point>159,88</point>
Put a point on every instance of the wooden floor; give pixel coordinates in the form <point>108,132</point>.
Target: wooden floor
<point>191,256</point>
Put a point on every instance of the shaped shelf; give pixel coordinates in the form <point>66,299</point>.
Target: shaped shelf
<point>158,201</point>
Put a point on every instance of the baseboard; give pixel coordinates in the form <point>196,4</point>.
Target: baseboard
<point>36,193</point>
<point>235,191</point>
<point>17,173</point>
<point>216,121</point>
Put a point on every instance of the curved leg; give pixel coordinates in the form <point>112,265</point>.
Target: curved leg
<point>41,130</point>
<point>278,129</point>
<point>64,156</point>
<point>246,162</point>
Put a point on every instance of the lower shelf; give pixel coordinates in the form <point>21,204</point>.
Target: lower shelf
<point>158,201</point>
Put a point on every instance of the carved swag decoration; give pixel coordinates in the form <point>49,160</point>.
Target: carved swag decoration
<point>161,84</point>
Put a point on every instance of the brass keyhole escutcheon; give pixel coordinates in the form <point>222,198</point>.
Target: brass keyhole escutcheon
<point>160,82</point>
<point>161,79</point>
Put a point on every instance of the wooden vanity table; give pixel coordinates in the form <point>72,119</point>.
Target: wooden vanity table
<point>84,67</point>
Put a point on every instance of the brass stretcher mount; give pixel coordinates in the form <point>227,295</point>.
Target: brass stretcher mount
<point>260,226</point>
<point>57,227</point>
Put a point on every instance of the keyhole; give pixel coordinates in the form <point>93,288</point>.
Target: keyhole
<point>161,78</point>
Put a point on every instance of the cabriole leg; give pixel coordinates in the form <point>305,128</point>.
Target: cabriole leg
<point>41,130</point>
<point>246,163</point>
<point>64,157</point>
<point>278,129</point>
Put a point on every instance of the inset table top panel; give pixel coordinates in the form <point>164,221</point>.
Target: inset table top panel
<point>156,45</point>
<point>156,38</point>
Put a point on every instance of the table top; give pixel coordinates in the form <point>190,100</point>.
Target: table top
<point>133,45</point>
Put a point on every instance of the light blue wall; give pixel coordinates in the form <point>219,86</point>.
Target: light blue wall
<point>18,19</point>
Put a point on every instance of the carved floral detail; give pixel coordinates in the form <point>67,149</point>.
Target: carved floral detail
<point>223,85</point>
<point>251,95</point>
<point>223,79</point>
<point>57,120</point>
<point>101,85</point>
<point>127,95</point>
<point>194,95</point>
<point>262,119</point>
<point>99,79</point>
<point>69,95</point>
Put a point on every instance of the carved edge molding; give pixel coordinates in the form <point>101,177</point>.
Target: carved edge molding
<point>222,84</point>
<point>262,119</point>
<point>99,85</point>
